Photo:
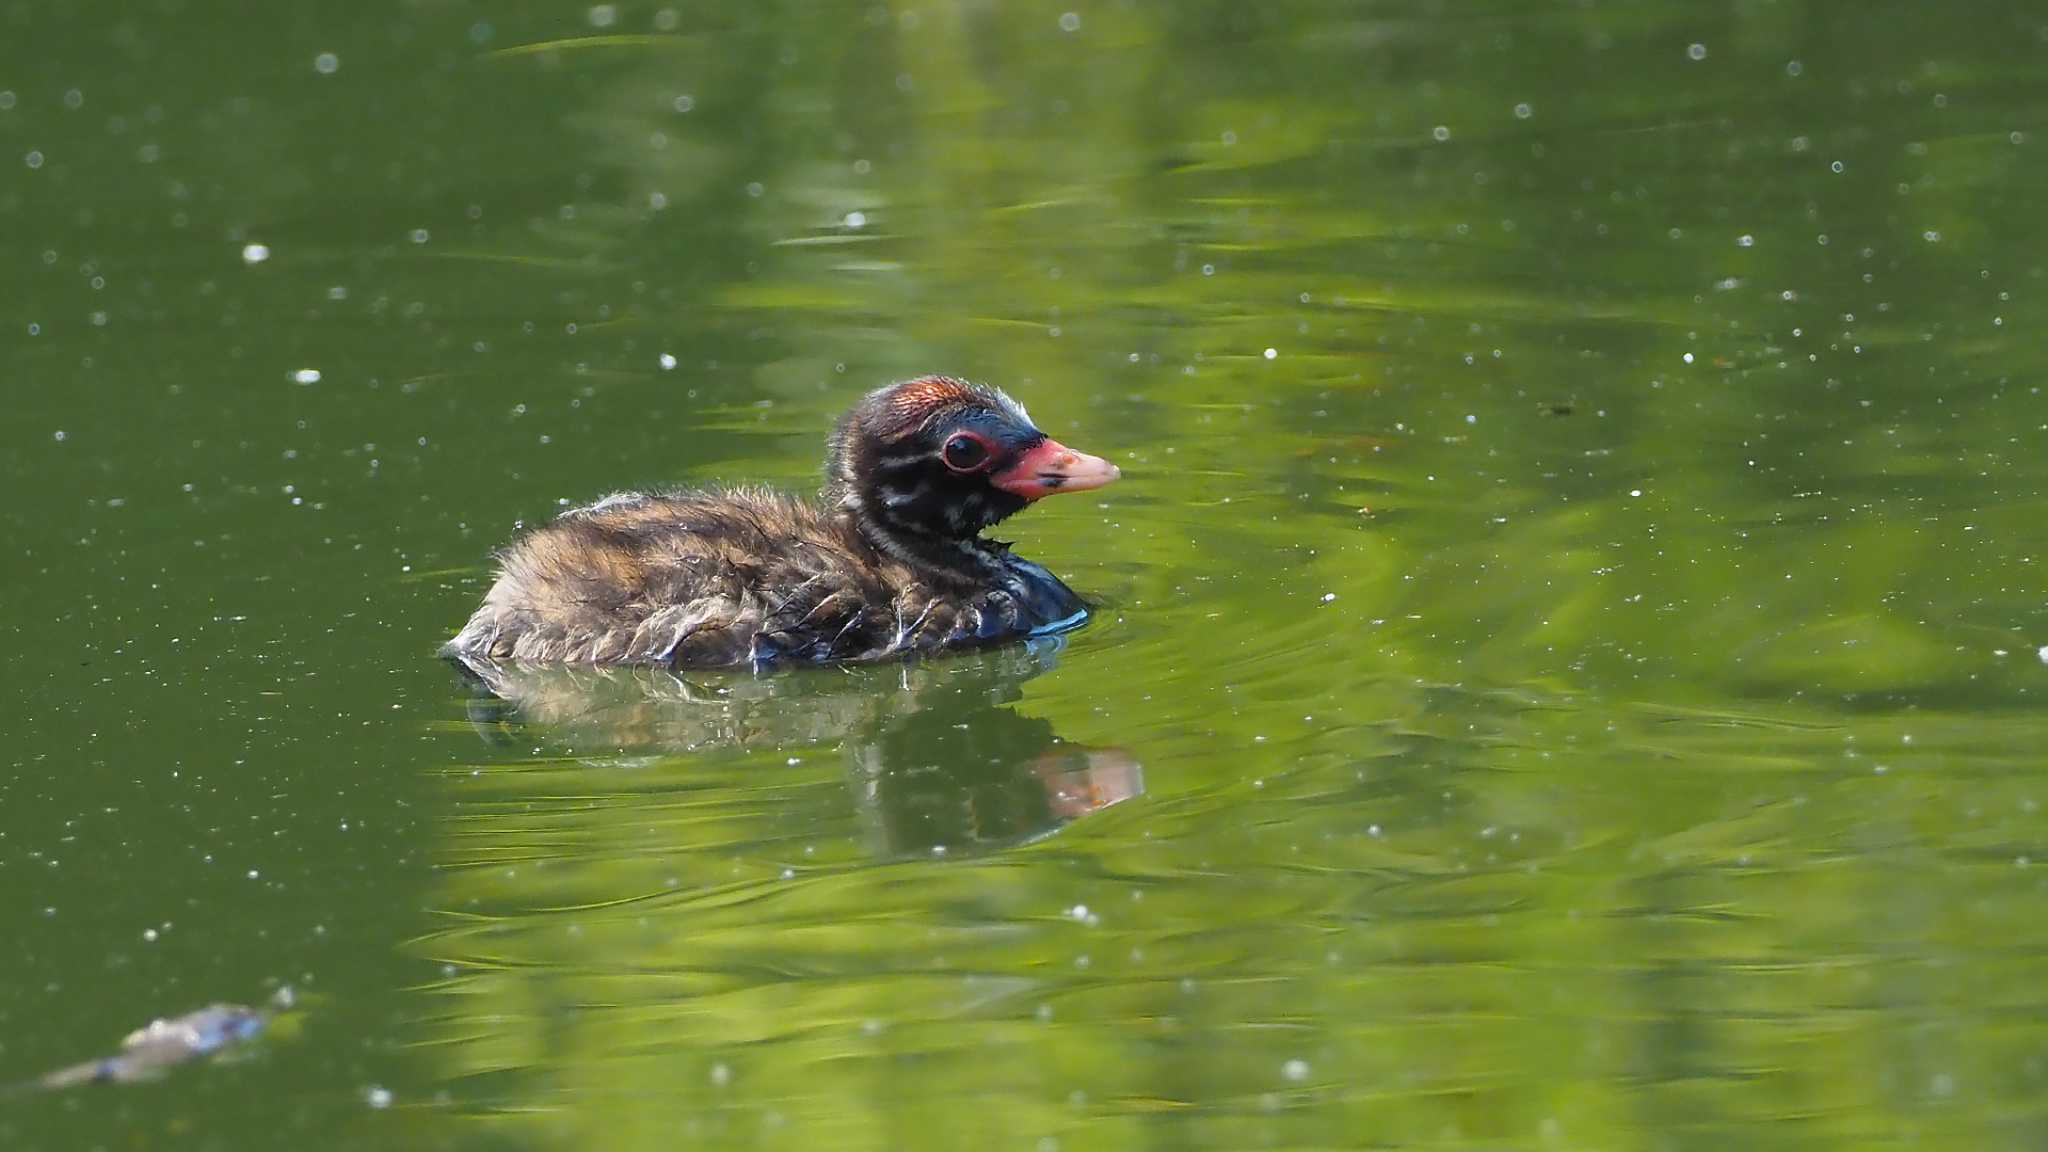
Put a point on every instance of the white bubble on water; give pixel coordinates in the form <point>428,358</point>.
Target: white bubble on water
<point>1070,21</point>
<point>378,1097</point>
<point>603,15</point>
<point>1696,51</point>
<point>668,362</point>
<point>721,1075</point>
<point>34,159</point>
<point>1272,353</point>
<point>856,219</point>
<point>326,63</point>
<point>306,376</point>
<point>255,253</point>
<point>1295,1070</point>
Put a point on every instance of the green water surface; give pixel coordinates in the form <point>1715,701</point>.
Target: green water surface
<point>1571,632</point>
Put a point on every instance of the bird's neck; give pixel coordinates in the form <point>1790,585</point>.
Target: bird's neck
<point>959,559</point>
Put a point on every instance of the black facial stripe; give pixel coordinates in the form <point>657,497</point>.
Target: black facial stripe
<point>894,497</point>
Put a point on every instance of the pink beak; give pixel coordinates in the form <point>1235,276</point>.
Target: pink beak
<point>1053,467</point>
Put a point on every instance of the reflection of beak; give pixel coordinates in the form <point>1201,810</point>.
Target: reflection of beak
<point>1053,467</point>
<point>1105,776</point>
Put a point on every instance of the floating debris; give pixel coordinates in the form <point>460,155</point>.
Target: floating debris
<point>150,1051</point>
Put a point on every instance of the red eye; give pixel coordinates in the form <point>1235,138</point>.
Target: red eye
<point>965,452</point>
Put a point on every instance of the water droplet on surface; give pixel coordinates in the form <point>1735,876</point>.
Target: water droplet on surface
<point>1696,51</point>
<point>1272,353</point>
<point>668,362</point>
<point>306,376</point>
<point>1295,1070</point>
<point>326,63</point>
<point>377,1097</point>
<point>1070,21</point>
<point>255,253</point>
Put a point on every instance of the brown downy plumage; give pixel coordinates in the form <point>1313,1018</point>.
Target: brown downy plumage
<point>890,560</point>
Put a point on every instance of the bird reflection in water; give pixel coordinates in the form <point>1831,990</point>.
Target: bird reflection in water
<point>940,761</point>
